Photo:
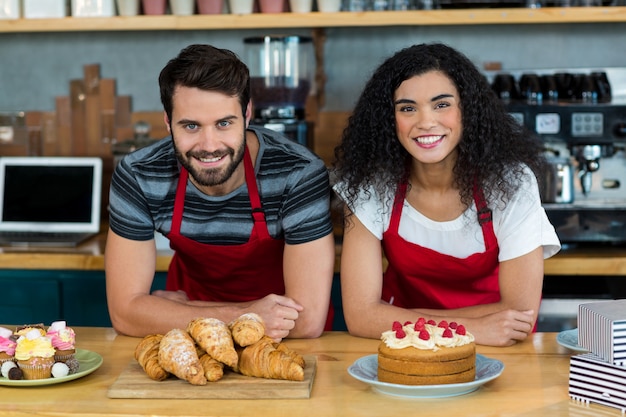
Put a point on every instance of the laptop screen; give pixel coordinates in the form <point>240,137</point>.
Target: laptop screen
<point>55,194</point>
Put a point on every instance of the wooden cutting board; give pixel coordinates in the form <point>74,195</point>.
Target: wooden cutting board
<point>134,383</point>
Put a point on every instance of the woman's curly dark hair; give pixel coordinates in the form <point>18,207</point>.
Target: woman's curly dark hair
<point>491,152</point>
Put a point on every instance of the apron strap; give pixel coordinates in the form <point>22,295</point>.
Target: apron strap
<point>485,217</point>
<point>394,222</point>
<point>258,215</point>
<point>179,202</point>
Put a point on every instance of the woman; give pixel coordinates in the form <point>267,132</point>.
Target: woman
<point>435,173</point>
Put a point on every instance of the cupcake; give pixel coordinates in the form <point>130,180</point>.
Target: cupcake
<point>35,355</point>
<point>7,345</point>
<point>62,339</point>
<point>22,330</point>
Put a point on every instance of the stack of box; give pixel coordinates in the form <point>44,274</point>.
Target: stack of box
<point>600,375</point>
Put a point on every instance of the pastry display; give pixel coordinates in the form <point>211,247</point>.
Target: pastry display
<point>263,360</point>
<point>31,352</point>
<point>147,354</point>
<point>22,330</point>
<point>63,339</point>
<point>213,369</point>
<point>214,337</point>
<point>35,355</point>
<point>178,356</point>
<point>247,329</point>
<point>427,353</point>
<point>208,348</point>
<point>7,346</point>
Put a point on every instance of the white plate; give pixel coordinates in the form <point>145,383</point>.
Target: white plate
<point>89,362</point>
<point>365,369</point>
<point>569,339</point>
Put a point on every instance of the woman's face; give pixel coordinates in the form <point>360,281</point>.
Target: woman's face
<point>428,117</point>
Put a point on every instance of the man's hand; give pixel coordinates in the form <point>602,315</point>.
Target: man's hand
<point>279,313</point>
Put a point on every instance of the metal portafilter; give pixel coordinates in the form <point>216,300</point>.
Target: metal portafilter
<point>588,156</point>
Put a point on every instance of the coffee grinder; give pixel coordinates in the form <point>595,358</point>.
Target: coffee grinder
<point>281,79</point>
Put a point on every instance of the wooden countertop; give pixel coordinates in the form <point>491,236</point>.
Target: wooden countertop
<point>89,256</point>
<point>534,382</point>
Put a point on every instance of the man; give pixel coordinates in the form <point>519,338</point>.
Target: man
<point>245,209</point>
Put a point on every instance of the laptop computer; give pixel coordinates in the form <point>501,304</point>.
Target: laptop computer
<point>49,201</point>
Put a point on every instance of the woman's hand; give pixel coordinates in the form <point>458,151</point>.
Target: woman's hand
<point>504,328</point>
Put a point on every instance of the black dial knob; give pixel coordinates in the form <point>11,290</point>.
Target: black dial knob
<point>619,130</point>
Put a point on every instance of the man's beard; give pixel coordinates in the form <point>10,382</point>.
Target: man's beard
<point>215,176</point>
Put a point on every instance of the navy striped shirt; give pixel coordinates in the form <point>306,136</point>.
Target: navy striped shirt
<point>293,186</point>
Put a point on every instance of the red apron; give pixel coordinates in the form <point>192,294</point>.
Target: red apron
<point>233,273</point>
<point>419,277</point>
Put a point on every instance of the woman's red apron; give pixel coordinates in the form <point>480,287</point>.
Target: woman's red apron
<point>419,277</point>
<point>234,273</point>
<point>231,273</point>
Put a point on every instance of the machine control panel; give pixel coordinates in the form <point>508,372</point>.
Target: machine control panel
<point>587,124</point>
<point>573,123</point>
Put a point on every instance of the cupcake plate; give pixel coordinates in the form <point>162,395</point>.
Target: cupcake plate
<point>89,361</point>
<point>365,369</point>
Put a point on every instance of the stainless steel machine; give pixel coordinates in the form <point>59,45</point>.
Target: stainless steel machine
<point>281,79</point>
<point>580,114</point>
<point>582,123</point>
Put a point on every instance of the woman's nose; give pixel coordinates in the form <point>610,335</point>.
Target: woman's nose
<point>425,119</point>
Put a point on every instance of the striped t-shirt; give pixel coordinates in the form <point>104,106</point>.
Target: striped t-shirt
<point>293,186</point>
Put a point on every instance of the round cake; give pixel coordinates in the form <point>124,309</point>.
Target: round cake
<point>427,353</point>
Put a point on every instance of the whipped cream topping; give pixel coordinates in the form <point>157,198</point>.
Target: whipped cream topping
<point>426,335</point>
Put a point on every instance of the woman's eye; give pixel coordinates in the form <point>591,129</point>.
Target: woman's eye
<point>406,108</point>
<point>442,105</point>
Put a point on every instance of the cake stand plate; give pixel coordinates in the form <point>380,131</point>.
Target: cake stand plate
<point>365,369</point>
<point>89,361</point>
<point>569,339</point>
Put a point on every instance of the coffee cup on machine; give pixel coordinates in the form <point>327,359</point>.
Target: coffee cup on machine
<point>530,88</point>
<point>505,87</point>
<point>549,88</point>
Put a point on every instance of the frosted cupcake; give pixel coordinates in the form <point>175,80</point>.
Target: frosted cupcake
<point>22,330</point>
<point>62,339</point>
<point>7,346</point>
<point>35,355</point>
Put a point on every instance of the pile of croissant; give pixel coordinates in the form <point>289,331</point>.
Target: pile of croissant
<point>199,353</point>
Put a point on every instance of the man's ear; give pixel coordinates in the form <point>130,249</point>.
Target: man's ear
<point>248,113</point>
<point>167,122</point>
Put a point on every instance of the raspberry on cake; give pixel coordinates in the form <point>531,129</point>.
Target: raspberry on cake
<point>427,353</point>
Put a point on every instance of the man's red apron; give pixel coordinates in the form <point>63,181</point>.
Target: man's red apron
<point>232,273</point>
<point>419,277</point>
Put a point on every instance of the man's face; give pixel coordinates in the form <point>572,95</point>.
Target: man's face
<point>208,130</point>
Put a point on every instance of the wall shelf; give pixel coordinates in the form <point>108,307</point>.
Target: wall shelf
<point>486,16</point>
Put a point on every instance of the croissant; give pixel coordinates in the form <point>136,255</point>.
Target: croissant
<point>247,329</point>
<point>215,338</point>
<point>295,356</point>
<point>213,369</point>
<point>177,355</point>
<point>262,360</point>
<point>147,354</point>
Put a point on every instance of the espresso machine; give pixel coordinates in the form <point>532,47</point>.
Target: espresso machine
<point>281,79</point>
<point>581,117</point>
